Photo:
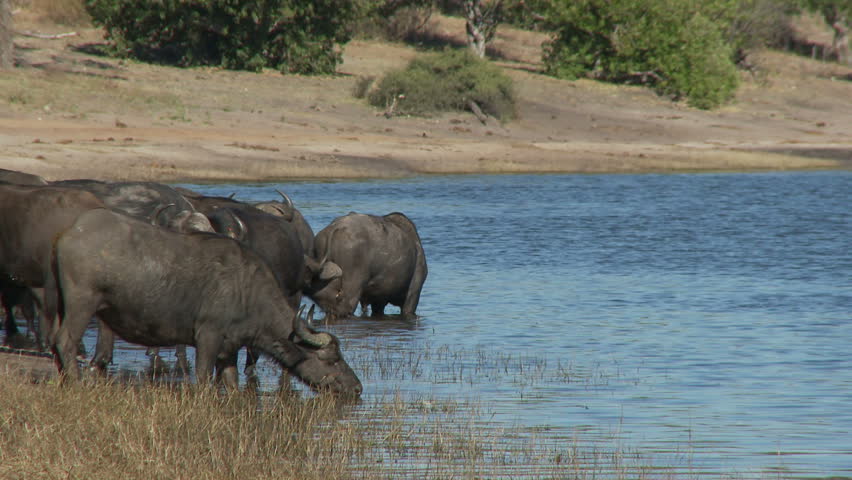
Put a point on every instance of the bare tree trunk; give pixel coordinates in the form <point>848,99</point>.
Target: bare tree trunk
<point>6,45</point>
<point>481,21</point>
<point>840,44</point>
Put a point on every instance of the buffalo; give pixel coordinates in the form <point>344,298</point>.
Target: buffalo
<point>158,203</point>
<point>382,262</point>
<point>277,242</point>
<point>21,178</point>
<point>284,210</point>
<point>12,294</point>
<point>160,288</point>
<point>138,199</point>
<point>31,217</point>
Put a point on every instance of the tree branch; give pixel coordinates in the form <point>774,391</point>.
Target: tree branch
<point>45,36</point>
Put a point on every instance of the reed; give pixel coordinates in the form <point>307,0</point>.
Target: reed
<point>152,430</point>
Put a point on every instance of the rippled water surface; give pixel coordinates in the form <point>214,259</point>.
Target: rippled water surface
<point>702,320</point>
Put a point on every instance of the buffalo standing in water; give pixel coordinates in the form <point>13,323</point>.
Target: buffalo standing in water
<point>382,262</point>
<point>159,288</point>
<point>31,217</point>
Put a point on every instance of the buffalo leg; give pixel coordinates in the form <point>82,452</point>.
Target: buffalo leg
<point>79,310</point>
<point>182,363</point>
<point>251,360</point>
<point>412,296</point>
<point>103,348</point>
<point>9,307</point>
<point>377,309</point>
<point>207,347</point>
<point>29,311</point>
<point>158,365</point>
<point>351,295</point>
<point>226,371</point>
<point>65,346</point>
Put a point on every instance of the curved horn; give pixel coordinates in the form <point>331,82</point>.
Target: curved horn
<point>240,225</point>
<point>328,245</point>
<point>300,327</point>
<point>156,215</point>
<point>231,196</point>
<point>286,198</point>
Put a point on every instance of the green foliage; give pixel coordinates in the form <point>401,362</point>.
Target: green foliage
<point>290,35</point>
<point>831,10</point>
<point>750,24</point>
<point>447,81</point>
<point>677,46</point>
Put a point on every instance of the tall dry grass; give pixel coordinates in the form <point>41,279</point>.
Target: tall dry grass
<point>99,429</point>
<point>103,430</point>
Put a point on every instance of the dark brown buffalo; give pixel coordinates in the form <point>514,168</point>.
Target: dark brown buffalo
<point>283,209</point>
<point>21,178</point>
<point>382,262</point>
<point>159,288</point>
<point>31,218</point>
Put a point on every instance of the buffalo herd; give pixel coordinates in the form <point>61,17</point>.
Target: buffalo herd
<point>162,266</point>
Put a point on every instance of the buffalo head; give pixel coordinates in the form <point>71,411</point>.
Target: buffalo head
<point>283,209</point>
<point>227,222</point>
<point>324,284</point>
<point>322,365</point>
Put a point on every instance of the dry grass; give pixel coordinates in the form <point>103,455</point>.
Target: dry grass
<point>97,428</point>
<point>70,13</point>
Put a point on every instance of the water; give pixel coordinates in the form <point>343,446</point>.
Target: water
<point>702,320</point>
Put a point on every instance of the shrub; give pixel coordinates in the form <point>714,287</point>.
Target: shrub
<point>447,81</point>
<point>670,44</point>
<point>289,35</point>
<point>394,20</point>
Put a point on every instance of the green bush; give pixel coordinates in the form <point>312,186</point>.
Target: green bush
<point>447,81</point>
<point>670,44</point>
<point>290,35</point>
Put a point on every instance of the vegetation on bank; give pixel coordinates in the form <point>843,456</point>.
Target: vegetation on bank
<point>684,50</point>
<point>155,430</point>
<point>454,80</point>
<point>289,35</point>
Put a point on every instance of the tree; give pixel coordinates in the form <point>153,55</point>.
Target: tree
<point>6,45</point>
<point>674,46</point>
<point>481,19</point>
<point>836,14</point>
<point>294,36</point>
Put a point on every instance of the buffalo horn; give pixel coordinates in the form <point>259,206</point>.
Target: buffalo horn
<point>156,215</point>
<point>300,326</point>
<point>286,198</point>
<point>240,225</point>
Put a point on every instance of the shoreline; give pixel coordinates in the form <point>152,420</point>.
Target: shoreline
<point>57,149</point>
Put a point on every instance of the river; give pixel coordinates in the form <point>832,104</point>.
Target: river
<point>701,321</point>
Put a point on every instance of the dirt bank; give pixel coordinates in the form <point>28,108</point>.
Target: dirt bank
<point>66,112</point>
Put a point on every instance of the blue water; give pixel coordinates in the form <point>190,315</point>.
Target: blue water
<point>700,319</point>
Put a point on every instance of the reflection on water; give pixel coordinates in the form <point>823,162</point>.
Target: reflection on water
<point>698,321</point>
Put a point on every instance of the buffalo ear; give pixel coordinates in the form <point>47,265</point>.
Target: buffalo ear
<point>330,271</point>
